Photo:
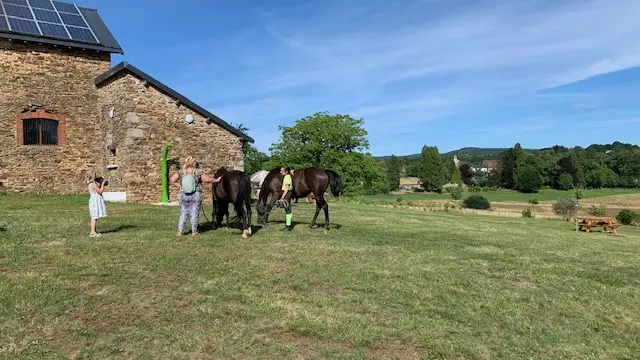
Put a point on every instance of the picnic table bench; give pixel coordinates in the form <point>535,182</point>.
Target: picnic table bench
<point>587,222</point>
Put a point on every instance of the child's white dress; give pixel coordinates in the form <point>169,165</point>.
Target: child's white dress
<point>97,207</point>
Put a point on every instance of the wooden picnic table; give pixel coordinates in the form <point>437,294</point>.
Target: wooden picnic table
<point>587,222</point>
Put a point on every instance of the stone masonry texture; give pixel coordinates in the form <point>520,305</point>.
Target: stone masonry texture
<point>61,80</point>
<point>125,149</point>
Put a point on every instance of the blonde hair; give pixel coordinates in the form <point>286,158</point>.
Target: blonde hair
<point>188,162</point>
<point>89,176</point>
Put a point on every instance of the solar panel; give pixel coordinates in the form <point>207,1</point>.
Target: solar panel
<point>53,30</point>
<point>3,23</point>
<point>80,34</point>
<point>54,19</point>
<point>42,4</point>
<point>75,20</point>
<point>65,7</point>
<point>18,11</point>
<point>48,16</point>
<point>17,2</point>
<point>25,26</point>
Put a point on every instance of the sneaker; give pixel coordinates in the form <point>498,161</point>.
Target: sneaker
<point>286,229</point>
<point>94,234</point>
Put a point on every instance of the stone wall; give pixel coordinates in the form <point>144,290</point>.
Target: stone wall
<point>144,120</point>
<point>62,80</point>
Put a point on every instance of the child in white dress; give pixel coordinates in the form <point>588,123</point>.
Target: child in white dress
<point>97,207</point>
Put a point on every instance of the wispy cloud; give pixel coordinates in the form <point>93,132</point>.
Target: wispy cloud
<point>412,60</point>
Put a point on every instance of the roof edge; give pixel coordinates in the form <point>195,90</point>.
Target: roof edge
<point>125,66</point>
<point>59,42</point>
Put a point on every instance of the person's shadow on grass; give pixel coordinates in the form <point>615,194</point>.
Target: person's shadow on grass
<point>117,229</point>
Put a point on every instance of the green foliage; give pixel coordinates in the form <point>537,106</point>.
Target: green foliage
<point>598,210</point>
<point>566,207</point>
<point>601,177</point>
<point>534,201</point>
<point>455,192</point>
<point>467,174</point>
<point>304,144</point>
<point>578,193</point>
<point>572,165</point>
<point>564,182</point>
<point>431,169</point>
<point>361,174</point>
<point>477,202</point>
<point>254,160</point>
<point>456,178</point>
<point>529,179</point>
<point>393,173</point>
<point>528,213</point>
<point>628,217</point>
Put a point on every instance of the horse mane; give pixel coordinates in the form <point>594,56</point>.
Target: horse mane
<point>220,171</point>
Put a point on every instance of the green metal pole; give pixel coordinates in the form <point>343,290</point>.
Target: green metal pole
<point>165,175</point>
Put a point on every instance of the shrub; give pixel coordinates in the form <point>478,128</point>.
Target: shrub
<point>565,181</point>
<point>528,213</point>
<point>477,202</point>
<point>598,210</point>
<point>455,192</point>
<point>578,193</point>
<point>566,207</point>
<point>628,217</point>
<point>534,201</point>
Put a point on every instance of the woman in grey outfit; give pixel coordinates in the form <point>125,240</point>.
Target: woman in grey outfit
<point>190,202</point>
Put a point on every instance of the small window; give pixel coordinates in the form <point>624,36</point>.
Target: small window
<point>40,132</point>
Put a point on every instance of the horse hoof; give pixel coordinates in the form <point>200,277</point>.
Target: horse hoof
<point>245,234</point>
<point>250,230</point>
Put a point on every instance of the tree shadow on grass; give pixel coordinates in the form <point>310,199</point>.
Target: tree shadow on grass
<point>302,224</point>
<point>3,229</point>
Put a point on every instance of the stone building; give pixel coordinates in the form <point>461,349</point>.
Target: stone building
<point>64,109</point>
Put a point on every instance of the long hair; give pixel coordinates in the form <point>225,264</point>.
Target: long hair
<point>90,176</point>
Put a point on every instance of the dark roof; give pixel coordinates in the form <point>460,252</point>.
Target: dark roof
<point>106,41</point>
<point>124,66</point>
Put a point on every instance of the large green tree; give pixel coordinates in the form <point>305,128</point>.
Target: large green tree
<point>432,173</point>
<point>304,143</point>
<point>393,173</point>
<point>336,142</point>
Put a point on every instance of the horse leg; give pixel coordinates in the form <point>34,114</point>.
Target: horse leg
<point>315,217</point>
<point>325,207</point>
<point>274,197</point>
<point>214,214</point>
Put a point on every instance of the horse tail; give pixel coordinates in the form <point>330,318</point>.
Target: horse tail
<point>335,181</point>
<point>244,195</point>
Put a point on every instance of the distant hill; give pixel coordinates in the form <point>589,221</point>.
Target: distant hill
<point>492,153</point>
<point>461,153</point>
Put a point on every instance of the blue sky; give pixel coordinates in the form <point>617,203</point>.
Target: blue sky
<point>450,73</point>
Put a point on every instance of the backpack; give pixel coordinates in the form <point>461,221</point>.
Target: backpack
<point>188,183</point>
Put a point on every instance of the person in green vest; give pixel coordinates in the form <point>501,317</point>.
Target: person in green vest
<point>287,194</point>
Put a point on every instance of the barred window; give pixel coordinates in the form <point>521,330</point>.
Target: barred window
<point>40,132</point>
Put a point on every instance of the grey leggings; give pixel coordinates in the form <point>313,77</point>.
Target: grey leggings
<point>189,207</point>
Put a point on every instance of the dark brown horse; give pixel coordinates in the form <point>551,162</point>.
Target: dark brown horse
<point>234,188</point>
<point>305,182</point>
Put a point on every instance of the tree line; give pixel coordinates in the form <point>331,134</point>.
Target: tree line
<point>339,142</point>
<point>615,165</point>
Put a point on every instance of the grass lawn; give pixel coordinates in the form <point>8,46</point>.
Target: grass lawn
<point>384,284</point>
<point>501,196</point>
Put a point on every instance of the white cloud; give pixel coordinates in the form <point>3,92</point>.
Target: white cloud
<point>421,57</point>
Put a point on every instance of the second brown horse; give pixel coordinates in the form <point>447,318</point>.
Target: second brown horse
<point>305,181</point>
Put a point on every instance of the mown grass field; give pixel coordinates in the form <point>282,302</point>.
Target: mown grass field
<point>513,196</point>
<point>382,284</point>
